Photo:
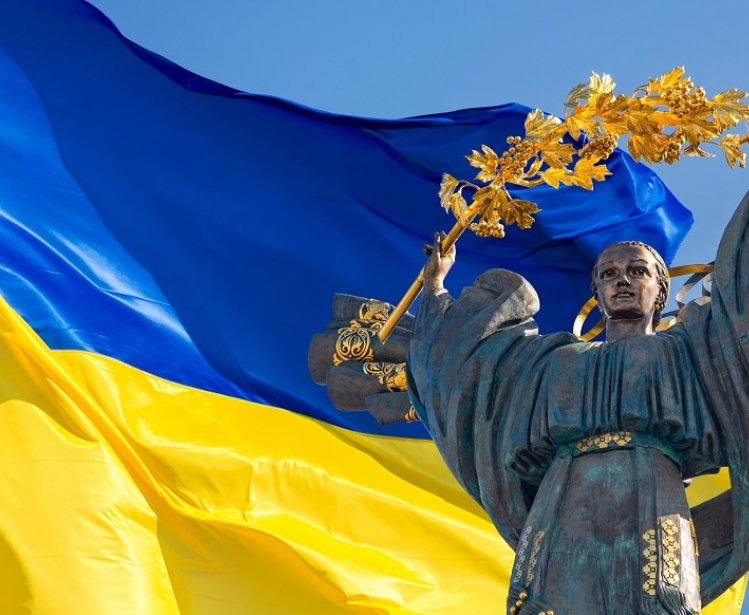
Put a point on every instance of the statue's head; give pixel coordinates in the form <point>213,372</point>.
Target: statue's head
<point>630,281</point>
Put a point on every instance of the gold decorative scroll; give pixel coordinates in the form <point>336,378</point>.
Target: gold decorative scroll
<point>375,311</point>
<point>354,343</point>
<point>392,375</point>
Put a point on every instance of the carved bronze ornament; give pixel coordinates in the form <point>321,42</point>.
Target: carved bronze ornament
<point>354,343</point>
<point>392,375</point>
<point>375,311</point>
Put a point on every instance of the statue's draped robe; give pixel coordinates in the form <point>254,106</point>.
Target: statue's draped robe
<point>577,451</point>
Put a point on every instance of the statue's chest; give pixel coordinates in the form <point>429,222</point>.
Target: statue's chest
<point>593,386</point>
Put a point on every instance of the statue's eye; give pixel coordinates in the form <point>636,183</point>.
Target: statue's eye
<point>640,271</point>
<point>608,273</point>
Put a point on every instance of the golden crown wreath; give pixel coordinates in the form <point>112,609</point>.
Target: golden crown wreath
<point>665,118</point>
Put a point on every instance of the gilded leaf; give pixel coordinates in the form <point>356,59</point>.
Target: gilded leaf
<point>518,211</point>
<point>487,162</point>
<point>538,126</point>
<point>559,155</point>
<point>654,100</point>
<point>586,171</point>
<point>576,94</point>
<point>665,82</point>
<point>487,198</point>
<point>615,124</point>
<point>643,122</point>
<point>654,146</point>
<point>614,119</point>
<point>731,146</point>
<point>582,119</point>
<point>696,150</point>
<point>447,188</point>
<point>553,177</point>
<point>636,146</point>
<point>696,132</point>
<point>535,167</point>
<point>671,78</point>
<point>602,102</point>
<point>458,206</point>
<point>709,129</point>
<point>601,84</point>
<point>728,108</point>
<point>661,119</point>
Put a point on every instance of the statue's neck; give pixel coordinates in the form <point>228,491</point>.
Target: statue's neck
<point>619,328</point>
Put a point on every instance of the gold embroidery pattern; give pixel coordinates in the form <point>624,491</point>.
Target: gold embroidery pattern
<point>537,539</point>
<point>650,556</point>
<point>354,343</point>
<point>392,375</point>
<point>671,551</point>
<point>604,440</point>
<point>374,310</point>
<point>522,547</point>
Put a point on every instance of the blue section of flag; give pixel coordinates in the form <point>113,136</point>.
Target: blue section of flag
<point>199,233</point>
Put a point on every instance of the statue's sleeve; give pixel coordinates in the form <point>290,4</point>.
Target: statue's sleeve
<point>460,354</point>
<point>719,334</point>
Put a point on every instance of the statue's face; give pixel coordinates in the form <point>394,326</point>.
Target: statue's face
<point>626,281</point>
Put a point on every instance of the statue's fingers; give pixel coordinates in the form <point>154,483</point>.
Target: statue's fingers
<point>437,246</point>
<point>428,250</point>
<point>448,253</point>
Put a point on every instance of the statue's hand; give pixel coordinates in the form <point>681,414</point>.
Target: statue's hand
<point>438,265</point>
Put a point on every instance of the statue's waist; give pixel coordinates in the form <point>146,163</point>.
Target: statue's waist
<point>614,440</point>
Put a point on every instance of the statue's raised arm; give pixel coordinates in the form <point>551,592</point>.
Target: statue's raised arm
<point>718,331</point>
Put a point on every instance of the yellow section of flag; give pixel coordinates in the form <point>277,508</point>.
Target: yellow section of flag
<point>121,492</point>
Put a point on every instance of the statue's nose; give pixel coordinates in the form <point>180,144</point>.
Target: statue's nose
<point>623,281</point>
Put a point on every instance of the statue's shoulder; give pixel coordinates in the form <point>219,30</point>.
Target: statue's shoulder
<point>506,295</point>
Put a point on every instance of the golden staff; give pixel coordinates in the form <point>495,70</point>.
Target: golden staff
<point>664,118</point>
<point>413,291</point>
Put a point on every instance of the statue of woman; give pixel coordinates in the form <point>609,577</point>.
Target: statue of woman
<point>579,451</point>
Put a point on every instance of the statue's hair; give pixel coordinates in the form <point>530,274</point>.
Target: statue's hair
<point>664,280</point>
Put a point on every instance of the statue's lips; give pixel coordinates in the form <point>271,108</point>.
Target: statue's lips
<point>624,295</point>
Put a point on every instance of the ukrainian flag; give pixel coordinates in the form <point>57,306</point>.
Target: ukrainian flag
<point>168,247</point>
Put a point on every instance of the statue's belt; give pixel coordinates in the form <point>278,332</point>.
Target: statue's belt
<point>613,440</point>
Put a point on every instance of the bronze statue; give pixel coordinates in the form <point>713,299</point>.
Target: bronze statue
<point>578,450</point>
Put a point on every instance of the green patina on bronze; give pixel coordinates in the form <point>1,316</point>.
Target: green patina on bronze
<point>606,529</point>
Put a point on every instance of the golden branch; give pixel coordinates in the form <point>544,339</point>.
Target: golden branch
<point>664,118</point>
